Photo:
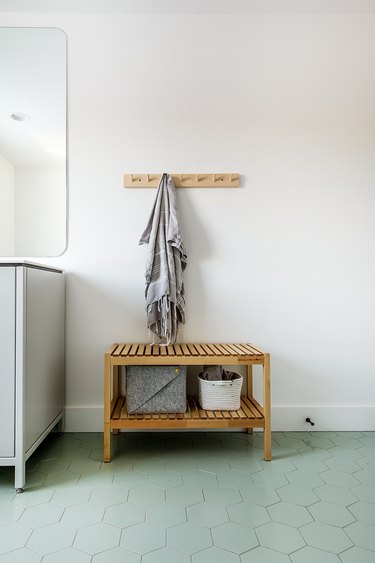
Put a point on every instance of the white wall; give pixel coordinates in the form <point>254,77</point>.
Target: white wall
<point>6,207</point>
<point>39,209</point>
<point>287,260</point>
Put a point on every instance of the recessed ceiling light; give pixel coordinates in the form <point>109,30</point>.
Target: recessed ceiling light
<point>20,116</point>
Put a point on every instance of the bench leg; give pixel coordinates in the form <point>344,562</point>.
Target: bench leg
<point>107,408</point>
<point>116,387</point>
<point>267,407</point>
<point>249,382</point>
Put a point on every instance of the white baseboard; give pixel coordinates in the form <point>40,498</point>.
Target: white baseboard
<point>284,418</point>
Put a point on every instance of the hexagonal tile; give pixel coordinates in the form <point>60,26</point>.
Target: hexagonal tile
<point>41,515</point>
<point>22,555</point>
<point>335,495</point>
<point>61,478</point>
<point>356,555</point>
<point>13,536</point>
<point>264,555</point>
<point>165,478</point>
<point>362,535</point>
<point>293,443</point>
<point>280,465</point>
<point>97,538</point>
<point>199,479</point>
<point>337,463</point>
<point>188,538</point>
<point>147,495</point>
<point>365,476</point>
<point>70,554</point>
<point>280,537</point>
<point>143,538</point>
<point>184,496</point>
<point>331,514</point>
<point>83,515</point>
<point>244,464</point>
<point>347,443</point>
<point>51,538</point>
<point>166,514</point>
<point>215,555</point>
<point>316,442</point>
<point>130,479</point>
<point>339,478</point>
<point>117,555</point>
<point>234,478</point>
<point>166,555</point>
<point>248,514</point>
<point>291,514</point>
<point>84,466</point>
<point>234,537</point>
<point>124,514</point>
<point>94,480</point>
<point>53,465</point>
<point>222,495</point>
<point>311,555</point>
<point>32,498</point>
<point>271,479</point>
<point>107,495</point>
<point>304,479</point>
<point>364,492</point>
<point>9,512</point>
<point>212,464</point>
<point>180,465</point>
<point>264,496</point>
<point>207,514</point>
<point>363,511</point>
<point>326,537</point>
<point>71,496</point>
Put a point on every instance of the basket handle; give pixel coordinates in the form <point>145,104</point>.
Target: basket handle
<point>222,383</point>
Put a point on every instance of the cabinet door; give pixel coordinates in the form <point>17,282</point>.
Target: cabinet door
<point>44,375</point>
<point>7,359</point>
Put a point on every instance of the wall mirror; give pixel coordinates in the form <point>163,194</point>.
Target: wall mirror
<point>33,156</point>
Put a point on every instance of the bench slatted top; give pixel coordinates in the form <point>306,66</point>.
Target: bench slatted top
<point>215,353</point>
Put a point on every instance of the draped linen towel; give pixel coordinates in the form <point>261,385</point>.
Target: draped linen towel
<point>165,262</point>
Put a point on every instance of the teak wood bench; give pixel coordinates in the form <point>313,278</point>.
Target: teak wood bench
<point>250,415</point>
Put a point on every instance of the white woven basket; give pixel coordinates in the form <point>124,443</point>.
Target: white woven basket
<point>220,395</point>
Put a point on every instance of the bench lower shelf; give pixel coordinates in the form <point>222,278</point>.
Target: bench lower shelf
<point>249,415</point>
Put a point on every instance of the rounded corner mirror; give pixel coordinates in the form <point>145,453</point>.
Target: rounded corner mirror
<point>33,142</point>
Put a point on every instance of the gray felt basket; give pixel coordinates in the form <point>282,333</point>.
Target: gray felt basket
<point>155,389</point>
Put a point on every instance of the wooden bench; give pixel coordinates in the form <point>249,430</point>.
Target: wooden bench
<point>250,415</point>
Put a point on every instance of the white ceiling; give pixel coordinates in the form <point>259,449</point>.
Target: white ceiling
<point>189,6</point>
<point>33,81</point>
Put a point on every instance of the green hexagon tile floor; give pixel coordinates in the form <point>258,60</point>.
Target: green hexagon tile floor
<point>193,498</point>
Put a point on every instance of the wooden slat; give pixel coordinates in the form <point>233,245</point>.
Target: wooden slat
<point>226,414</point>
<point>247,411</point>
<point>133,350</point>
<point>256,349</point>
<point>234,414</point>
<point>185,350</point>
<point>178,350</point>
<point>193,350</point>
<point>170,350</point>
<point>247,351</point>
<point>215,350</point>
<point>257,406</point>
<point>155,349</point>
<point>118,407</point>
<point>210,414</point>
<point>125,350</point>
<point>148,350</point>
<point>252,408</point>
<point>222,350</point>
<point>231,352</point>
<point>207,350</point>
<point>237,350</point>
<point>163,351</point>
<point>112,349</point>
<point>241,413</point>
<point>117,351</point>
<point>218,414</point>
<point>141,349</point>
<point>201,351</point>
<point>194,408</point>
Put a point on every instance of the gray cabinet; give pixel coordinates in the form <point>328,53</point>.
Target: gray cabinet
<point>31,360</point>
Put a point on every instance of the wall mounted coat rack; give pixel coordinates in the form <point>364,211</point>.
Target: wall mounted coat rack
<point>184,180</point>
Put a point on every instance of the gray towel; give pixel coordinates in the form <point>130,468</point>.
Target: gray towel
<point>165,263</point>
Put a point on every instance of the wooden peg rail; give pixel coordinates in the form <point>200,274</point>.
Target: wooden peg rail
<point>184,180</point>
<point>250,415</point>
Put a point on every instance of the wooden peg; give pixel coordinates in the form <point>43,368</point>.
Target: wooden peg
<point>148,177</point>
<point>197,178</point>
<point>131,177</point>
